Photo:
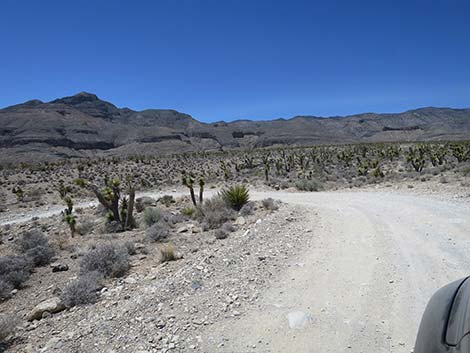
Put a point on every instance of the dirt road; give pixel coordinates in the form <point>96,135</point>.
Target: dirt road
<point>363,280</point>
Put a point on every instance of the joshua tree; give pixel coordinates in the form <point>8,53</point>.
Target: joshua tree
<point>363,167</point>
<point>416,158</point>
<point>460,152</point>
<point>201,190</point>
<point>266,163</point>
<point>120,208</point>
<point>188,181</point>
<point>225,169</point>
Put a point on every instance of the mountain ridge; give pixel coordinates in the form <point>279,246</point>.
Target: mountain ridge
<point>83,125</point>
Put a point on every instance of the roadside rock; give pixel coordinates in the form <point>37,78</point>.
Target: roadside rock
<point>53,305</point>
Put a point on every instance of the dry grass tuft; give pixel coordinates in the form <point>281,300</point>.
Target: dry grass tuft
<point>168,253</point>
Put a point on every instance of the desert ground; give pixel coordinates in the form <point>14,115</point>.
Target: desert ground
<point>350,268</point>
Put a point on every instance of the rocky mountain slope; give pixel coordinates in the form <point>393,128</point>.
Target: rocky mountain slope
<point>84,125</point>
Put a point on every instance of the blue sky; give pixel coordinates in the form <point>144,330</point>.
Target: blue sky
<point>225,60</point>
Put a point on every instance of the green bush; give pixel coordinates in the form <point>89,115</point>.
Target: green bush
<point>151,216</point>
<point>236,196</point>
<point>188,211</point>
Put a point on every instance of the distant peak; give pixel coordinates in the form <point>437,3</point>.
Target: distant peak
<point>85,96</point>
<point>78,98</point>
<point>33,102</point>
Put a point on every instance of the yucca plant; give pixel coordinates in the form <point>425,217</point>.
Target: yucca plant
<point>236,196</point>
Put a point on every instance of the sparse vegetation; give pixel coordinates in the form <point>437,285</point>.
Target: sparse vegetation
<point>14,271</point>
<point>188,211</point>
<point>167,200</point>
<point>224,231</point>
<point>83,290</point>
<point>269,204</point>
<point>120,209</point>
<point>68,215</point>
<point>247,209</point>
<point>168,253</point>
<point>158,231</point>
<point>19,193</point>
<point>151,216</point>
<point>188,181</point>
<point>130,247</point>
<point>35,246</point>
<point>236,196</point>
<point>7,327</point>
<point>308,185</point>
<point>214,212</point>
<point>85,227</point>
<point>108,259</point>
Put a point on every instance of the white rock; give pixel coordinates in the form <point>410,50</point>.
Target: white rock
<point>298,319</point>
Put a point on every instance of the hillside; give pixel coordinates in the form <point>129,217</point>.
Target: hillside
<point>84,125</point>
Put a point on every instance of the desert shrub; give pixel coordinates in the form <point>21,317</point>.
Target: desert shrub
<point>247,209</point>
<point>269,204</point>
<point>443,180</point>
<point>188,211</point>
<point>109,259</point>
<point>168,253</point>
<point>224,231</point>
<point>111,227</point>
<point>40,255</point>
<point>466,171</point>
<point>309,185</point>
<point>14,271</point>
<point>151,216</point>
<point>158,231</point>
<point>85,227</point>
<point>35,246</point>
<point>33,195</point>
<point>166,200</point>
<point>5,289</point>
<point>3,200</point>
<point>130,247</point>
<point>173,219</point>
<point>236,196</point>
<point>214,212</point>
<point>143,202</point>
<point>7,327</point>
<point>31,240</point>
<point>84,290</point>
